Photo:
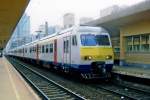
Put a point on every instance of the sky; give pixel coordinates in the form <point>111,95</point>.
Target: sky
<point>52,11</point>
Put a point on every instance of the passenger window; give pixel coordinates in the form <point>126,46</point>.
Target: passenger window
<point>35,49</point>
<point>51,48</point>
<point>67,46</point>
<point>46,48</point>
<point>74,40</point>
<point>39,49</point>
<point>64,46</point>
<point>30,49</point>
<point>42,48</point>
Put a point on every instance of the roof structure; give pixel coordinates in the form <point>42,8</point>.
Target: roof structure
<point>123,17</point>
<point>10,14</point>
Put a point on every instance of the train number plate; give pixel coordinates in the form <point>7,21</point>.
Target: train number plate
<point>109,62</point>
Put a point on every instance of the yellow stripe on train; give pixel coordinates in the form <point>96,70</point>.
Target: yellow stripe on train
<point>96,53</point>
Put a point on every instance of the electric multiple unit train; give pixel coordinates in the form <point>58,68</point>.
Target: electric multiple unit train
<point>84,50</point>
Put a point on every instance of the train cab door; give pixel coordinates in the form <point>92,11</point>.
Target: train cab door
<point>67,50</point>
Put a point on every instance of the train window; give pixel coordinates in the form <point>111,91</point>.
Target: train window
<point>102,40</point>
<point>88,40</point>
<point>23,50</point>
<point>93,40</point>
<point>29,50</point>
<point>67,46</point>
<point>51,48</point>
<point>46,48</point>
<point>42,48</point>
<point>33,49</point>
<point>39,48</point>
<point>64,46</point>
<point>74,40</point>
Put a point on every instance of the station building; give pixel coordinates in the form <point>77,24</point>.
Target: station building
<point>130,32</point>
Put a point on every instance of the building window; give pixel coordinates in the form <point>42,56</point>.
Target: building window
<point>136,43</point>
<point>145,42</point>
<point>129,44</point>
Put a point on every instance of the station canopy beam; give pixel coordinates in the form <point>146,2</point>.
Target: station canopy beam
<point>10,14</point>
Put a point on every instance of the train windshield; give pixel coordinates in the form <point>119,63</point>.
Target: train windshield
<point>94,40</point>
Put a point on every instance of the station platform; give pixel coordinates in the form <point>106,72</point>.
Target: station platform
<point>132,71</point>
<point>12,85</point>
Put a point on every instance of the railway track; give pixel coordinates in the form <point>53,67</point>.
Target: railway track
<point>126,92</point>
<point>46,88</point>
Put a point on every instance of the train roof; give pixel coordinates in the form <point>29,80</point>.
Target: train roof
<point>78,28</point>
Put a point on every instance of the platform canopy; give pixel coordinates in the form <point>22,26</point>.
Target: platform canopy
<point>10,14</point>
<point>128,15</point>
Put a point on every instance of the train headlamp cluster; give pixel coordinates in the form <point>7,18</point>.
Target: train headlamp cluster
<point>108,57</point>
<point>87,58</point>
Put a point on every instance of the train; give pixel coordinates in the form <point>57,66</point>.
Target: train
<point>84,50</point>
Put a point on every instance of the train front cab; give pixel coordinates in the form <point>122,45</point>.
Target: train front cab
<point>96,56</point>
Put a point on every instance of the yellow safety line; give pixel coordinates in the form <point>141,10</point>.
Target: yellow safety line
<point>11,80</point>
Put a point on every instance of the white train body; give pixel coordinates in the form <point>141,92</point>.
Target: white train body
<point>77,49</point>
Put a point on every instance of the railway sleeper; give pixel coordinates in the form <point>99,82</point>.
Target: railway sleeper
<point>52,89</point>
<point>67,97</point>
<point>50,92</point>
<point>57,95</point>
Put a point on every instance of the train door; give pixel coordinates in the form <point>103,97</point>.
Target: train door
<point>23,52</point>
<point>37,53</point>
<point>55,51</point>
<point>67,50</point>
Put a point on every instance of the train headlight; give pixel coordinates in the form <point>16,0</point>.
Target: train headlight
<point>108,57</point>
<point>87,58</point>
